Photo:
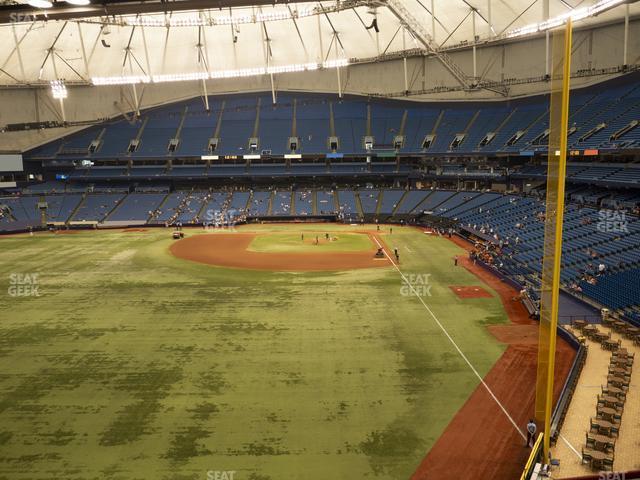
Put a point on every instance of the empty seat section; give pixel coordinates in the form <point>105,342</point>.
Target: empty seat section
<point>259,205</point>
<point>369,200</point>
<point>304,202</point>
<point>96,206</point>
<point>282,203</point>
<point>238,202</point>
<point>116,138</point>
<point>390,199</point>
<point>275,125</point>
<point>238,120</point>
<point>326,203</point>
<point>136,207</point>
<point>60,207</point>
<point>313,125</point>
<point>350,121</point>
<point>411,200</point>
<point>198,127</point>
<point>347,202</point>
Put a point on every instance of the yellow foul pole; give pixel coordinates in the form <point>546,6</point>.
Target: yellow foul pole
<point>552,255</point>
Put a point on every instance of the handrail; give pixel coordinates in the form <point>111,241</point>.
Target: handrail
<point>574,373</point>
<point>533,458</point>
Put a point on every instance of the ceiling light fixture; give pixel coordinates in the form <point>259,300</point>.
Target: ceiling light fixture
<point>218,74</point>
<point>79,3</point>
<point>58,89</point>
<point>40,3</point>
<point>575,15</point>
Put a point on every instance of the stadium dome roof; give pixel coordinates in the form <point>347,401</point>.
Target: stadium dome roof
<point>182,40</point>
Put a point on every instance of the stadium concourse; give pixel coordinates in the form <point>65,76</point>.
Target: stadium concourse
<point>305,239</point>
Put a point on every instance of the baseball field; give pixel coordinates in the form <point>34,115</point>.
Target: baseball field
<point>274,352</point>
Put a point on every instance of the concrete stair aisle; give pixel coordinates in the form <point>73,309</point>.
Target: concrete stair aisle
<point>114,209</point>
<point>205,202</point>
<point>314,201</point>
<point>379,205</point>
<point>359,205</point>
<point>154,214</point>
<point>75,210</point>
<point>270,206</point>
<point>404,195</point>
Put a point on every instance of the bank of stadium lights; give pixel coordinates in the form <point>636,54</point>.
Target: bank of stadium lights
<point>219,74</point>
<point>124,80</point>
<point>575,15</point>
<point>58,89</point>
<point>335,63</point>
<point>44,4</point>
<point>220,19</point>
<point>40,3</point>
<point>180,77</point>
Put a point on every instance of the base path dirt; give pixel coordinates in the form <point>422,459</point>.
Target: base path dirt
<point>231,250</point>
<point>480,442</point>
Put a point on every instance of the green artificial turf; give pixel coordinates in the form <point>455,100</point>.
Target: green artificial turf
<point>305,242</point>
<point>133,364</point>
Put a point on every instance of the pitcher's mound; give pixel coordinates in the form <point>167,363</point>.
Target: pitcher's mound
<point>230,250</point>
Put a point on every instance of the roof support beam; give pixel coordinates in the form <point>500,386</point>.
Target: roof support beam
<point>84,51</point>
<point>338,68</point>
<point>295,24</point>
<point>146,50</point>
<point>626,35</point>
<point>17,49</point>
<point>433,20</point>
<point>202,60</point>
<point>418,31</point>
<point>50,51</point>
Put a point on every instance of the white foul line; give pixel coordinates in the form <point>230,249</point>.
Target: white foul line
<point>455,345</point>
<point>571,447</point>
